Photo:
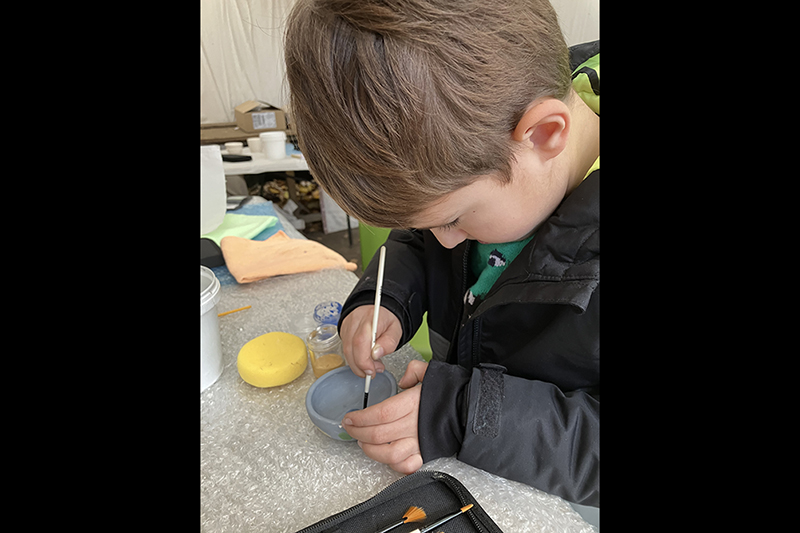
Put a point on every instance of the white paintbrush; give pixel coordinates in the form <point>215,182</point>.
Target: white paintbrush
<point>381,261</point>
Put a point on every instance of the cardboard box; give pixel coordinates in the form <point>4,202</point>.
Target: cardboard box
<point>255,117</point>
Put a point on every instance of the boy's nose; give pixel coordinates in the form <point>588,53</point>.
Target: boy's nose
<point>449,238</point>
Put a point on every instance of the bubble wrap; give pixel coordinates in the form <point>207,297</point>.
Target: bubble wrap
<point>265,467</point>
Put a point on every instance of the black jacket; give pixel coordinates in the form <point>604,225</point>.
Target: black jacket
<point>514,387</point>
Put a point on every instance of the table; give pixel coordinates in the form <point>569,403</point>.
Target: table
<point>222,132</point>
<point>264,466</point>
<point>260,164</point>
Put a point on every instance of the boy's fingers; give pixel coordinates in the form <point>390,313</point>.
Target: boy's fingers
<point>389,411</point>
<point>409,465</point>
<point>388,338</point>
<point>357,342</point>
<point>356,335</point>
<point>362,358</point>
<point>396,453</point>
<point>415,371</point>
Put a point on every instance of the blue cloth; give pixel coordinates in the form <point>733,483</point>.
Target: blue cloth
<point>265,208</point>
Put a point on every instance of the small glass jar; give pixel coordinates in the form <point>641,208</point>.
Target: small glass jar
<point>325,349</point>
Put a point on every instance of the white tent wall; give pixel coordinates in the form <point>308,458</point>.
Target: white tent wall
<point>241,50</point>
<point>241,55</point>
<point>579,20</point>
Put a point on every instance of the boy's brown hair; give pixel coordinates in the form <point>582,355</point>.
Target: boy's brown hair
<point>400,102</point>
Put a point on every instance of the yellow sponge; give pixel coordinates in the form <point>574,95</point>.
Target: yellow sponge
<point>272,359</point>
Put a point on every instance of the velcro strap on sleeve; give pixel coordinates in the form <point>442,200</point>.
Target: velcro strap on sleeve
<point>489,406</point>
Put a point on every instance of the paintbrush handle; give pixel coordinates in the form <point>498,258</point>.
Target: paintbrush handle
<point>391,527</point>
<point>375,312</point>
<point>439,523</point>
<point>443,520</point>
<point>378,290</point>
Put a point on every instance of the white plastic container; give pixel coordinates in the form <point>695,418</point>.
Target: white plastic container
<point>274,144</point>
<point>234,147</point>
<point>212,188</point>
<point>210,344</point>
<point>254,143</point>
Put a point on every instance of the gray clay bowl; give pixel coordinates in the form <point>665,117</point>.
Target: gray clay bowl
<point>340,391</point>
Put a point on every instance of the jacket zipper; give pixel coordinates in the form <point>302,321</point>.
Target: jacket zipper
<point>321,526</point>
<point>476,337</point>
<point>463,496</point>
<point>452,356</point>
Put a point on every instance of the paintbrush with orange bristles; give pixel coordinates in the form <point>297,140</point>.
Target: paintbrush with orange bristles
<point>443,520</point>
<point>413,514</point>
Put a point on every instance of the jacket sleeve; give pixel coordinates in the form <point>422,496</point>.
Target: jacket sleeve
<point>524,430</point>
<point>403,291</point>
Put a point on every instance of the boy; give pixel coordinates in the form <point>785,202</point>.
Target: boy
<point>459,124</point>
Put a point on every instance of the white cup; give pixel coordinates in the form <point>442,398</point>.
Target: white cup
<point>274,144</point>
<point>234,147</point>
<point>255,145</point>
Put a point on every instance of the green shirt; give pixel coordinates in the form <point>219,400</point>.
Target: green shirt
<point>488,261</point>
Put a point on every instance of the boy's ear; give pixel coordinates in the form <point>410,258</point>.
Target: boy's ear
<point>545,127</point>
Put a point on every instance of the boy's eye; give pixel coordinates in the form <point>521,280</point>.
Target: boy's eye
<point>450,225</point>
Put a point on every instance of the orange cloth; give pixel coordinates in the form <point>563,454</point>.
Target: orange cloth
<point>254,260</point>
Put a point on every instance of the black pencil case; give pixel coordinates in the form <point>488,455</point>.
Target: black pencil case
<point>437,493</point>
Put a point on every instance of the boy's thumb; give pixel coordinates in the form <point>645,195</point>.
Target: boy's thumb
<point>377,352</point>
<point>414,374</point>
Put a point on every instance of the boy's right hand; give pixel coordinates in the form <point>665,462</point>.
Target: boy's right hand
<point>356,334</point>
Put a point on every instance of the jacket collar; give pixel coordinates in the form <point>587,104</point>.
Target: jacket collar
<point>568,243</point>
<point>561,264</point>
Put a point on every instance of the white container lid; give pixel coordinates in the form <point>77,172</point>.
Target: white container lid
<point>209,290</point>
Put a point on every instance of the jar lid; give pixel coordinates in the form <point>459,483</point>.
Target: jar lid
<point>327,313</point>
